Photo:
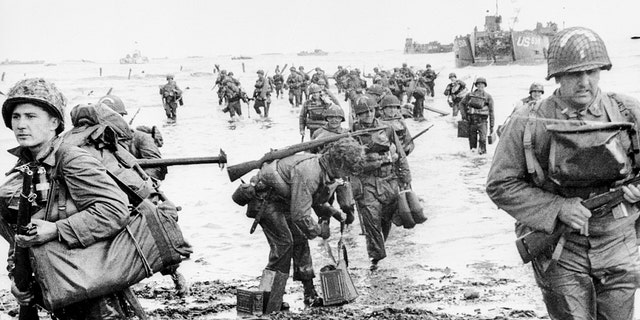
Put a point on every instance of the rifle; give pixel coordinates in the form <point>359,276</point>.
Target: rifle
<point>22,273</point>
<point>535,243</point>
<point>153,163</point>
<point>134,116</point>
<point>417,135</point>
<point>239,170</point>
<point>109,92</point>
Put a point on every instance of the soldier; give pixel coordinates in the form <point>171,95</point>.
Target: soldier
<point>341,77</point>
<point>309,182</point>
<point>406,71</point>
<point>333,116</point>
<point>262,94</point>
<point>278,82</point>
<point>477,108</point>
<point>384,174</point>
<point>312,113</point>
<point>396,84</point>
<point>294,84</point>
<point>171,96</point>
<point>34,110</point>
<point>430,78</point>
<point>233,94</point>
<point>455,91</point>
<point>318,76</point>
<point>143,144</point>
<point>220,83</point>
<point>391,115</point>
<point>420,92</point>
<point>354,88</point>
<point>536,90</point>
<point>304,85</point>
<point>596,275</point>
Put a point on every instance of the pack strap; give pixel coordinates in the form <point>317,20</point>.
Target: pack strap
<point>533,166</point>
<point>626,115</point>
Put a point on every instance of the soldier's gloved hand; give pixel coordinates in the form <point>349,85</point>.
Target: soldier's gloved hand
<point>23,297</point>
<point>574,214</point>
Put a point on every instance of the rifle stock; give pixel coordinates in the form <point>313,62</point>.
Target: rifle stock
<point>239,170</point>
<point>22,273</point>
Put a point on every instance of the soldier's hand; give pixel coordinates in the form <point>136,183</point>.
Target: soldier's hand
<point>23,297</point>
<point>631,193</point>
<point>40,232</point>
<point>302,132</point>
<point>574,214</point>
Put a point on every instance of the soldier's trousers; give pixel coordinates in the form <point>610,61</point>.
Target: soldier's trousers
<point>478,133</point>
<point>595,278</point>
<point>108,307</point>
<point>264,104</point>
<point>376,199</point>
<point>286,241</point>
<point>295,96</point>
<point>234,108</point>
<point>418,108</point>
<point>171,109</point>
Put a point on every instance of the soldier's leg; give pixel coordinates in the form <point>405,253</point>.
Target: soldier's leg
<point>257,104</point>
<point>167,110</point>
<point>174,110</point>
<point>276,230</point>
<point>371,210</point>
<point>298,98</point>
<point>473,134</point>
<point>482,137</point>
<point>431,86</point>
<point>292,96</point>
<point>266,107</point>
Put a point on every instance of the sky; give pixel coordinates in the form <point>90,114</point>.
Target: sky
<point>109,29</point>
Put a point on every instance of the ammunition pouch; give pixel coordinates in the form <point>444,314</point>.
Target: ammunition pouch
<point>594,154</point>
<point>244,194</point>
<point>476,101</point>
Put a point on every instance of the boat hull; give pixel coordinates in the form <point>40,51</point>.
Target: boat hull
<point>508,47</point>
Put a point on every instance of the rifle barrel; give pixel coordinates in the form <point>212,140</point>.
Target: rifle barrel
<point>152,163</point>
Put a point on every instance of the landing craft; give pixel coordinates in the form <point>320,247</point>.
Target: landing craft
<point>496,46</point>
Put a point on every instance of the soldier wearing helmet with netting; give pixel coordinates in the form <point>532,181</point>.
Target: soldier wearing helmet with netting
<point>455,91</point>
<point>171,97</point>
<point>477,108</point>
<point>312,113</point>
<point>384,174</point>
<point>87,206</point>
<point>554,154</point>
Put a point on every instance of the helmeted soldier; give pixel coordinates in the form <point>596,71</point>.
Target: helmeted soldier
<point>536,90</point>
<point>541,181</point>
<point>341,78</point>
<point>262,94</point>
<point>278,83</point>
<point>312,113</point>
<point>477,108</point>
<point>333,116</point>
<point>233,95</point>
<point>391,115</point>
<point>430,78</point>
<point>171,97</point>
<point>455,91</point>
<point>384,173</point>
<point>220,83</point>
<point>304,84</point>
<point>294,84</point>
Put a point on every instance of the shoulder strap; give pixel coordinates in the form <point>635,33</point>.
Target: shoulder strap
<point>533,166</point>
<point>629,117</point>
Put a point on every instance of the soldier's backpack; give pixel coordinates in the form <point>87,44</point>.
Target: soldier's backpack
<point>151,242</point>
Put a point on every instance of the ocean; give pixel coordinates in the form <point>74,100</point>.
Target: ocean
<point>465,235</point>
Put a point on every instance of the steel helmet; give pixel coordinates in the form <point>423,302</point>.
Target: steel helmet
<point>452,75</point>
<point>376,89</point>
<point>314,88</point>
<point>169,77</point>
<point>364,104</point>
<point>301,68</point>
<point>37,91</point>
<point>576,49</point>
<point>292,69</point>
<point>114,103</point>
<point>322,82</point>
<point>390,101</point>
<point>481,80</point>
<point>260,71</point>
<point>333,111</point>
<point>536,87</point>
<point>223,72</point>
<point>428,65</point>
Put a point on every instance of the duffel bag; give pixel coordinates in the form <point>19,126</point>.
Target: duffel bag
<point>151,242</point>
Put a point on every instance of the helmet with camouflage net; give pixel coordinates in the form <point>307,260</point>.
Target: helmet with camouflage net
<point>114,103</point>
<point>390,101</point>
<point>576,49</point>
<point>346,154</point>
<point>37,91</point>
<point>314,88</point>
<point>481,80</point>
<point>333,111</point>
<point>364,104</point>
<point>536,87</point>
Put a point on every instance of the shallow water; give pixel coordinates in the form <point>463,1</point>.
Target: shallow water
<point>465,233</point>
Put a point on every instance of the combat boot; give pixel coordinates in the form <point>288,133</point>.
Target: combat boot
<point>311,297</point>
<point>180,283</point>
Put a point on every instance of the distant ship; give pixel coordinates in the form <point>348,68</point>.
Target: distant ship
<point>7,61</point>
<point>411,47</point>
<point>316,52</point>
<point>496,46</point>
<point>241,58</point>
<point>134,58</point>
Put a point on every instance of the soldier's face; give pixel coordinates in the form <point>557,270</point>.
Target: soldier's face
<point>366,117</point>
<point>391,111</point>
<point>334,122</point>
<point>33,126</point>
<point>536,95</point>
<point>579,87</point>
